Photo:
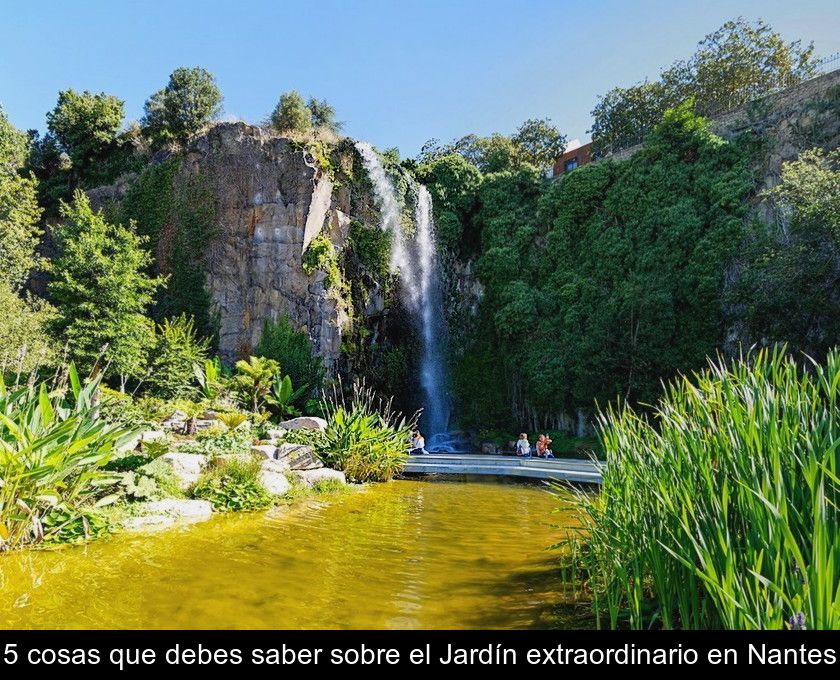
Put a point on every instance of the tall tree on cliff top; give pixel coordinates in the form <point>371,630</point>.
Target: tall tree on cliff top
<point>291,114</point>
<point>102,291</point>
<point>189,101</point>
<point>323,115</point>
<point>738,61</point>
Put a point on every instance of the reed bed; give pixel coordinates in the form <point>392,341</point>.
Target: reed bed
<point>720,508</point>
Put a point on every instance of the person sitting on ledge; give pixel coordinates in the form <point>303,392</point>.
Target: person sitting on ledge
<point>548,453</point>
<point>418,444</point>
<point>540,447</point>
<point>523,446</point>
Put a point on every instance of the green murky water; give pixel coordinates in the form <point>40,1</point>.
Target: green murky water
<point>410,554</point>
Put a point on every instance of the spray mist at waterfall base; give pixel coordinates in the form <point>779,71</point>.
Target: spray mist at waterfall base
<point>414,258</point>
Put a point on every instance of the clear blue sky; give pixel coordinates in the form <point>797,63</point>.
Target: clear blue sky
<point>398,72</point>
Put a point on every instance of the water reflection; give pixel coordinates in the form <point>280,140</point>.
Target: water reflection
<point>410,554</point>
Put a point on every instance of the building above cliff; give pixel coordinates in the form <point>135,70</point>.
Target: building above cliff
<point>576,154</point>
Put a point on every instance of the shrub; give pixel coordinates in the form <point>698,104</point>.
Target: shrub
<point>53,447</point>
<point>234,486</point>
<point>25,344</point>
<point>373,248</point>
<point>321,255</point>
<point>721,509</point>
<point>365,438</point>
<point>253,380</point>
<point>177,349</point>
<point>292,349</point>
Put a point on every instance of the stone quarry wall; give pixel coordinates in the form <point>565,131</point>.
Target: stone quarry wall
<point>272,200</point>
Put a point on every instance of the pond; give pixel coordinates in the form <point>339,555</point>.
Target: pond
<point>462,553</point>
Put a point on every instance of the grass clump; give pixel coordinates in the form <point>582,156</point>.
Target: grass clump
<point>234,486</point>
<point>721,509</point>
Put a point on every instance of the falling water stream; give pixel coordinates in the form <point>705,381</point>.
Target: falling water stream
<point>414,259</point>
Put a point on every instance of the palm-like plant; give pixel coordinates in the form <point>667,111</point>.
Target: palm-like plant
<point>253,380</point>
<point>53,446</point>
<point>283,396</point>
<point>210,376</point>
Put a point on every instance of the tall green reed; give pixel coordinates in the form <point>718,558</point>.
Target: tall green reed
<point>720,509</point>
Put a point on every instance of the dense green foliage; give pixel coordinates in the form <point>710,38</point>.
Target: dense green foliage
<point>176,349</point>
<point>234,486</point>
<point>320,255</point>
<point>254,379</point>
<point>323,115</point>
<point>731,65</point>
<point>365,437</point>
<point>19,210</point>
<point>182,255</point>
<point>25,340</point>
<point>601,284</point>
<point>190,100</point>
<point>373,248</point>
<point>789,288</point>
<point>292,350</point>
<point>291,114</point>
<point>52,450</point>
<point>720,510</point>
<point>149,200</point>
<point>102,292</point>
<point>536,142</point>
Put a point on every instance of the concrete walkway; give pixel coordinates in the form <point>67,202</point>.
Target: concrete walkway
<point>565,469</point>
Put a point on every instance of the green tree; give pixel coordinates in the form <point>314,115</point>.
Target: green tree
<point>19,210</point>
<point>323,115</point>
<point>177,349</point>
<point>86,127</point>
<point>25,342</point>
<point>291,114</point>
<point>731,65</point>
<point>292,350</point>
<point>789,286</point>
<point>539,142</point>
<point>99,284</point>
<point>189,101</point>
<point>453,182</point>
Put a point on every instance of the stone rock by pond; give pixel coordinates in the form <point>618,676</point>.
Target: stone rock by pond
<point>266,451</point>
<point>312,477</point>
<point>186,466</point>
<point>304,423</point>
<point>180,508</point>
<point>156,514</point>
<point>490,448</point>
<point>273,477</point>
<point>148,522</point>
<point>176,421</point>
<point>298,456</point>
<point>135,441</point>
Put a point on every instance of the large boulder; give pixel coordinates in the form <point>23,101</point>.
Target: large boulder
<point>138,439</point>
<point>312,477</point>
<point>186,466</point>
<point>180,508</point>
<point>298,456</point>
<point>160,514</point>
<point>265,451</point>
<point>273,477</point>
<point>304,423</point>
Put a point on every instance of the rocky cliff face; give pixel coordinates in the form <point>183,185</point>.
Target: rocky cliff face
<point>272,199</point>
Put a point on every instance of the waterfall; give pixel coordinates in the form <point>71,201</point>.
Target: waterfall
<point>414,260</point>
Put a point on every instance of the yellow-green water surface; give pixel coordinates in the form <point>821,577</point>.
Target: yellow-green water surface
<point>409,554</point>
